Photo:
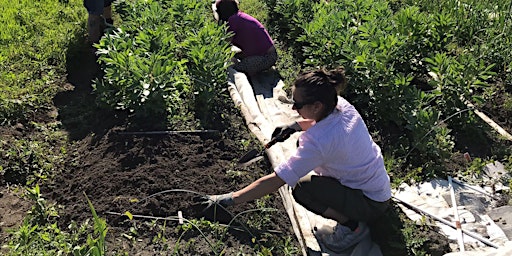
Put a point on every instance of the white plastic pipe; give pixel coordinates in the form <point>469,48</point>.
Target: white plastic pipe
<point>469,233</point>
<point>460,236</point>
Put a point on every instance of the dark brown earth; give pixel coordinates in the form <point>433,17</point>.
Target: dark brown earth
<point>499,108</point>
<point>118,173</point>
<point>158,175</point>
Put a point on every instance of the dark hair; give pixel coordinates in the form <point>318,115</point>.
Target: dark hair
<point>226,8</point>
<point>322,85</point>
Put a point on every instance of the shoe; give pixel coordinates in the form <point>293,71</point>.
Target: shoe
<point>341,237</point>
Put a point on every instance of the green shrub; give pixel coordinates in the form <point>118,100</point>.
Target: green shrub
<point>164,60</point>
<point>412,65</point>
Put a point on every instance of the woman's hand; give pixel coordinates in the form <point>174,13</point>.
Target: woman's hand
<point>208,201</point>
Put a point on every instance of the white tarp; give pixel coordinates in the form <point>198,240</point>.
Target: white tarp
<point>473,206</point>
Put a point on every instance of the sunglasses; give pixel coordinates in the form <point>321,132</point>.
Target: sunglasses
<point>299,105</point>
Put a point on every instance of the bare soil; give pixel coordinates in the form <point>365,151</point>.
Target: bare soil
<point>12,210</point>
<point>499,109</point>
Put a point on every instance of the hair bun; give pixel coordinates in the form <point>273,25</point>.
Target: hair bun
<point>335,77</point>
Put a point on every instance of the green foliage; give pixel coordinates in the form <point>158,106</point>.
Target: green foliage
<point>414,241</point>
<point>36,158</point>
<point>412,65</point>
<point>41,212</point>
<point>259,220</point>
<point>455,80</point>
<point>257,9</point>
<point>507,105</point>
<point>475,168</point>
<point>138,80</point>
<point>208,54</point>
<point>95,242</point>
<point>202,227</point>
<point>33,39</point>
<point>164,59</point>
<point>141,73</point>
<point>288,66</point>
<point>284,23</point>
<point>160,237</point>
<point>40,235</point>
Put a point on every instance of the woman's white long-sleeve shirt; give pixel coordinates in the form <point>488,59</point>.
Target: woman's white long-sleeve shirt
<point>341,147</point>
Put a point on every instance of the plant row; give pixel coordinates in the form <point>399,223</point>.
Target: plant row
<point>166,60</point>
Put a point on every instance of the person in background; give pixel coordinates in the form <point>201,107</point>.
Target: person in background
<point>349,182</point>
<point>257,47</point>
<point>100,15</point>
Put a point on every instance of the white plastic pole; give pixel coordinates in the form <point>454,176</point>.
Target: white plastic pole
<point>477,189</point>
<point>460,236</point>
<point>469,233</point>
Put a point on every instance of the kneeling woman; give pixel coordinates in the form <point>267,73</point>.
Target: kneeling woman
<point>258,51</point>
<point>349,182</point>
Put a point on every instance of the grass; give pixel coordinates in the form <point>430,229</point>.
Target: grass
<point>33,45</point>
<point>33,40</point>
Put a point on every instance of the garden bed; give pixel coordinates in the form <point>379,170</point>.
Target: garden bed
<point>117,172</point>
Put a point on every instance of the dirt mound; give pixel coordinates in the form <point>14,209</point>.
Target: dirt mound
<point>157,176</point>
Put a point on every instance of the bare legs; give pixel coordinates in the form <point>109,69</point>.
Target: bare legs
<point>95,24</point>
<point>107,12</point>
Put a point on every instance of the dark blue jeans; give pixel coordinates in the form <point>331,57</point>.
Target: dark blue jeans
<point>96,6</point>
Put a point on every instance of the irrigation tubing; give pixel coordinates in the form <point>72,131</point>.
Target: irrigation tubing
<point>237,228</point>
<point>186,191</point>
<point>168,132</point>
<point>469,233</point>
<point>172,219</point>
<point>233,217</point>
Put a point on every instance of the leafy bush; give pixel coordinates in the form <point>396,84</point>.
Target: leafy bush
<point>165,59</point>
<point>285,19</point>
<point>412,65</point>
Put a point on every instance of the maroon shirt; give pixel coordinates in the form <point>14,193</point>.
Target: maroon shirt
<point>250,35</point>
